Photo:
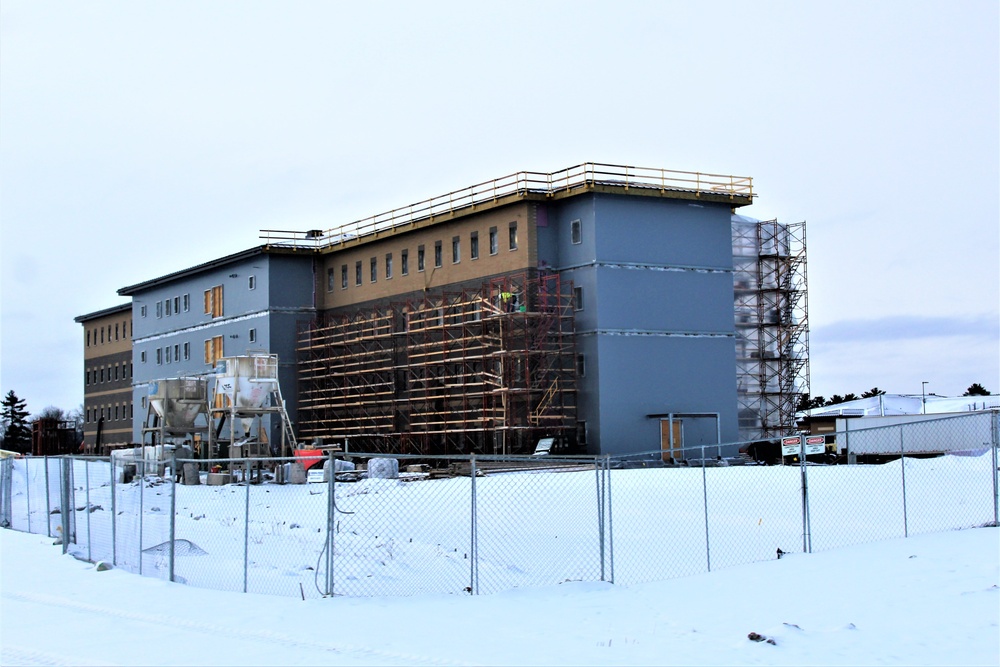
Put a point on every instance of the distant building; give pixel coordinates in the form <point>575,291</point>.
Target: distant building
<point>107,377</point>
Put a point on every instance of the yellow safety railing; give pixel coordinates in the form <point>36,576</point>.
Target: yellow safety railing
<point>518,184</point>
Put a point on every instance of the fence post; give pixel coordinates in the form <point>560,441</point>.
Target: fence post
<point>611,530</point>
<point>246,527</point>
<point>995,439</point>
<point>173,511</point>
<point>806,528</point>
<point>90,539</point>
<point>704,500</point>
<point>600,515</point>
<point>902,466</point>
<point>331,521</point>
<point>27,489</point>
<point>114,514</point>
<point>48,500</point>
<point>474,537</point>
<point>65,501</point>
<point>142,499</point>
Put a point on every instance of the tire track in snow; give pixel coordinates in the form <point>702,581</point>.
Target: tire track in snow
<point>216,631</point>
<point>18,655</point>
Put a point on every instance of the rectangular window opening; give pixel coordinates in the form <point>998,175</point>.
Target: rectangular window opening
<point>575,232</point>
<point>494,241</point>
<point>474,245</point>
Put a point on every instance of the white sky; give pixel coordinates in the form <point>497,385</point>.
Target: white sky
<point>137,139</point>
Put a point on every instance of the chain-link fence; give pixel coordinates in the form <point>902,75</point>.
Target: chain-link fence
<point>376,526</point>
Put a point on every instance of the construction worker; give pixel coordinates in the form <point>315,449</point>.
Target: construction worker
<point>505,299</point>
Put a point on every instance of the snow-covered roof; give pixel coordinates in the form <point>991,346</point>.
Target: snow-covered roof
<point>904,404</point>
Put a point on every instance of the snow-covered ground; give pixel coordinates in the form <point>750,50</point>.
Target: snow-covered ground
<point>926,600</point>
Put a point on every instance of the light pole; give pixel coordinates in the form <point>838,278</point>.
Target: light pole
<point>923,397</point>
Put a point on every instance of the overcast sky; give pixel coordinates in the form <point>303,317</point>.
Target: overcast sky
<point>140,138</point>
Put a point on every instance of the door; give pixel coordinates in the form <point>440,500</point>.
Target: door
<point>673,451</point>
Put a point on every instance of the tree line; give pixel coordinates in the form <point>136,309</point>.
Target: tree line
<point>16,422</point>
<point>809,403</point>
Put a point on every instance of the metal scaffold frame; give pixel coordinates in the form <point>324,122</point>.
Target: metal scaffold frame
<point>487,370</point>
<point>772,328</point>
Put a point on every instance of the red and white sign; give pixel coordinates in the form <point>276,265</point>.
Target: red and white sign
<point>791,445</point>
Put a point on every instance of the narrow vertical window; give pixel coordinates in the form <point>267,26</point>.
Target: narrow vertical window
<point>159,310</point>
<point>474,245</point>
<point>420,258</point>
<point>187,351</point>
<point>142,311</point>
<point>343,276</point>
<point>253,335</point>
<point>166,307</point>
<point>581,365</point>
<point>575,232</point>
<point>577,298</point>
<point>494,241</point>
<point>404,262</point>
<point>512,236</point>
<point>252,282</point>
<point>357,272</point>
<point>456,250</point>
<point>177,304</point>
<point>388,265</point>
<point>177,352</point>
<point>159,357</point>
<point>142,357</point>
<point>437,254</point>
<point>329,279</point>
<point>88,337</point>
<point>187,302</point>
<point>373,274</point>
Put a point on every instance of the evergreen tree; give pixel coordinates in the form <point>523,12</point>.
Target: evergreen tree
<point>872,393</point>
<point>14,415</point>
<point>976,389</point>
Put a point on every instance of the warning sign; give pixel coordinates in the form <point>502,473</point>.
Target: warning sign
<point>791,445</point>
<point>815,444</point>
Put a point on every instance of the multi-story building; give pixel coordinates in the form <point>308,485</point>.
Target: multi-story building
<point>107,377</point>
<point>594,305</point>
<point>186,321</point>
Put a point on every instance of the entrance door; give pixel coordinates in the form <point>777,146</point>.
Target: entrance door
<point>675,452</point>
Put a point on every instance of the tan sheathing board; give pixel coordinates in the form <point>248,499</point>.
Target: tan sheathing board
<point>466,269</point>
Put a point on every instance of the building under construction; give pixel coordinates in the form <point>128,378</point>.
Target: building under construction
<point>488,370</point>
<point>594,305</point>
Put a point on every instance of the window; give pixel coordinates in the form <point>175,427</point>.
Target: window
<point>159,356</point>
<point>144,402</point>
<point>86,376</point>
<point>130,411</point>
<point>102,375</point>
<point>187,302</point>
<point>142,311</point>
<point>494,242</point>
<point>116,413</point>
<point>512,236</point>
<point>581,434</point>
<point>116,373</point>
<point>159,311</point>
<point>252,282</point>
<point>88,337</point>
<point>575,232</point>
<point>177,304</point>
<point>213,301</point>
<point>166,307</point>
<point>474,245</point>
<point>357,272</point>
<point>177,352</point>
<point>581,365</point>
<point>253,335</point>
<point>213,350</point>
<point>456,250</point>
<point>373,273</point>
<point>329,279</point>
<point>437,254</point>
<point>577,298</point>
<point>167,353</point>
<point>420,258</point>
<point>142,357</point>
<point>343,276</point>
<point>388,265</point>
<point>187,351</point>
<point>404,262</point>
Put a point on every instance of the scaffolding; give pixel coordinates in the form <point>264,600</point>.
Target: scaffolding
<point>772,329</point>
<point>486,370</point>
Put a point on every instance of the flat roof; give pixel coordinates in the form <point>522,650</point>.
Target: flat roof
<point>215,263</point>
<point>103,313</point>
<point>588,177</point>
